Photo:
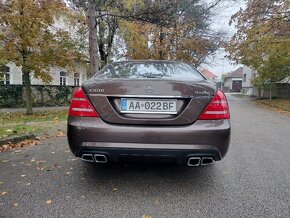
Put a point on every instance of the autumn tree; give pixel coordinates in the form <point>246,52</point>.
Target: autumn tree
<point>163,29</point>
<point>262,40</point>
<point>181,32</point>
<point>104,23</point>
<point>29,39</point>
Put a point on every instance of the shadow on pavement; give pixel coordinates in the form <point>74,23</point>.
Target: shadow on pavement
<point>153,177</point>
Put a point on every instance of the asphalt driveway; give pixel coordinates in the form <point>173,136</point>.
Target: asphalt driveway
<point>252,181</point>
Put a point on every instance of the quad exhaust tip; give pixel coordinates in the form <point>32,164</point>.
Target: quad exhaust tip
<point>207,161</point>
<point>88,157</point>
<point>199,161</point>
<point>193,161</point>
<point>98,158</point>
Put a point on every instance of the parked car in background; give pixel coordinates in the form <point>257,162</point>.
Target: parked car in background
<point>160,111</point>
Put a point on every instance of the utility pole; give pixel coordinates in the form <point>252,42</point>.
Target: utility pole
<point>93,43</point>
<point>222,77</point>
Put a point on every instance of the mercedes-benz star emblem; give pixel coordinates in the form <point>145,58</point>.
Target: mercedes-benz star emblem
<point>148,88</point>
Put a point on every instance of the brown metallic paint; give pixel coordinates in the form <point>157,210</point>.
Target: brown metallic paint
<point>181,135</point>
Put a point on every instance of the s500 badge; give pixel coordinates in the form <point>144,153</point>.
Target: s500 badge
<point>97,90</point>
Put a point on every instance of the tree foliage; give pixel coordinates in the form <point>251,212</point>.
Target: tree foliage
<point>181,31</point>
<point>262,40</point>
<point>29,38</point>
<point>163,29</point>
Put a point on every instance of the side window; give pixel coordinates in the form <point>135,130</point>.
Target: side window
<point>62,78</point>
<point>4,75</point>
<point>76,79</point>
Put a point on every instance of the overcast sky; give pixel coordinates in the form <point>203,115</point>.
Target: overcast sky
<point>220,64</point>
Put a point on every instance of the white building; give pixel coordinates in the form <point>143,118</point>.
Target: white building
<point>248,76</point>
<point>233,81</point>
<point>11,74</point>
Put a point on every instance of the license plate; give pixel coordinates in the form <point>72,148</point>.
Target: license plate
<point>154,106</point>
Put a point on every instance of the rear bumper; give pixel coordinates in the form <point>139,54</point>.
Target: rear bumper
<point>153,143</point>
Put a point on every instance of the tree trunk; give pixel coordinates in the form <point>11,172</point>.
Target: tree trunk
<point>270,91</point>
<point>92,38</point>
<point>101,42</point>
<point>161,37</point>
<point>27,85</point>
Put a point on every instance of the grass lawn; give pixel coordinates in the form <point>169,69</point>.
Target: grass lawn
<point>280,104</point>
<point>18,123</point>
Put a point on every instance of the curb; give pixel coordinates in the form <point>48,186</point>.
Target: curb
<point>17,138</point>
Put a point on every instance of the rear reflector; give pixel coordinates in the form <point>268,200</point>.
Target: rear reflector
<point>218,108</point>
<point>80,106</point>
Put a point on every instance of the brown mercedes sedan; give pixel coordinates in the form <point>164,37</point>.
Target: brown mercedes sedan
<point>156,111</point>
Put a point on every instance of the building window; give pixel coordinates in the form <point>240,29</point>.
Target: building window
<point>76,79</point>
<point>4,75</point>
<point>245,78</point>
<point>62,78</point>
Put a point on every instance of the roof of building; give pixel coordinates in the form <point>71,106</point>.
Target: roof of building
<point>208,74</point>
<point>238,73</point>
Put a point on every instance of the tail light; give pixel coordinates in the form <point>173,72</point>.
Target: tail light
<point>80,106</point>
<point>217,109</point>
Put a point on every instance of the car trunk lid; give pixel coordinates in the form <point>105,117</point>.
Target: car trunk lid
<point>191,99</point>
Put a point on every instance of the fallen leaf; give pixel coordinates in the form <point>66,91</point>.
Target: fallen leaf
<point>115,189</point>
<point>146,216</point>
<point>15,204</point>
<point>48,202</point>
<point>1,183</point>
<point>60,134</point>
<point>23,175</point>
<point>28,183</point>
<point>22,144</point>
<point>4,193</point>
<point>40,161</point>
<point>40,168</point>
<point>5,147</point>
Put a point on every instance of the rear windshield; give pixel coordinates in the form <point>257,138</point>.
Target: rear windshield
<point>154,70</point>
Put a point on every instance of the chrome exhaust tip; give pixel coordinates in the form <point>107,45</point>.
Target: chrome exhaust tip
<point>207,161</point>
<point>100,158</point>
<point>88,157</point>
<point>193,161</point>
